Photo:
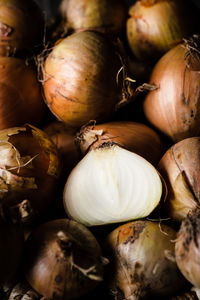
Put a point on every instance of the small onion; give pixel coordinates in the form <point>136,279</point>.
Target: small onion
<point>23,291</point>
<point>180,167</point>
<point>20,94</point>
<point>100,15</point>
<point>155,26</point>
<point>80,79</point>
<point>174,106</point>
<point>111,185</point>
<point>135,137</point>
<point>142,264</point>
<point>29,172</point>
<point>63,260</point>
<point>17,33</point>
<point>187,248</point>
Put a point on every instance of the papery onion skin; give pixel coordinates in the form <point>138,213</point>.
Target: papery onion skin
<point>141,261</point>
<point>20,94</point>
<point>111,185</point>
<point>135,137</point>
<point>180,167</point>
<point>80,79</point>
<point>187,248</point>
<point>29,172</point>
<point>154,27</point>
<point>17,33</point>
<point>173,107</point>
<point>63,269</point>
<point>108,17</point>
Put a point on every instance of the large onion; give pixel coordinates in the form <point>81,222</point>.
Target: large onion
<point>174,106</point>
<point>20,94</point>
<point>63,260</point>
<point>180,167</point>
<point>29,170</point>
<point>155,26</point>
<point>142,261</point>
<point>17,32</point>
<point>135,137</point>
<point>80,79</point>
<point>100,15</point>
<point>111,185</point>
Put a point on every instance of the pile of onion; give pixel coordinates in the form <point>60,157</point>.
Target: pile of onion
<point>180,167</point>
<point>80,79</point>
<point>111,185</point>
<point>135,137</point>
<point>108,17</point>
<point>17,33</point>
<point>63,260</point>
<point>142,264</point>
<point>29,172</point>
<point>20,94</point>
<point>155,26</point>
<point>174,106</point>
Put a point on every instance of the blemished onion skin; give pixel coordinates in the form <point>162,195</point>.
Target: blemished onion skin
<point>29,172</point>
<point>173,107</point>
<point>20,94</point>
<point>180,168</point>
<point>187,248</point>
<point>135,137</point>
<point>80,79</point>
<point>155,26</point>
<point>141,264</point>
<point>63,260</point>
<point>17,33</point>
<point>11,251</point>
<point>108,17</point>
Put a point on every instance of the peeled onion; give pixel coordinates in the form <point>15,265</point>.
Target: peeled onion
<point>173,107</point>
<point>142,264</point>
<point>135,137</point>
<point>29,172</point>
<point>80,79</point>
<point>180,167</point>
<point>63,260</point>
<point>111,185</point>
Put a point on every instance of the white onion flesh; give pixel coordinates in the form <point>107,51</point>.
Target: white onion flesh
<point>111,185</point>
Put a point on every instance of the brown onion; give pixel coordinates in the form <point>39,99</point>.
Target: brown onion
<point>23,291</point>
<point>29,172</point>
<point>63,260</point>
<point>180,167</point>
<point>174,106</point>
<point>142,264</point>
<point>135,137</point>
<point>64,139</point>
<point>100,15</point>
<point>17,32</point>
<point>155,26</point>
<point>80,79</point>
<point>20,94</point>
<point>187,248</point>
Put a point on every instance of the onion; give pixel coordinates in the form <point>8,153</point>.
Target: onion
<point>17,33</point>
<point>80,79</point>
<point>63,260</point>
<point>111,185</point>
<point>180,167</point>
<point>29,172</point>
<point>104,16</point>
<point>174,106</point>
<point>11,250</point>
<point>155,26</point>
<point>187,248</point>
<point>135,137</point>
<point>64,139</point>
<point>20,94</point>
<point>23,291</point>
<point>191,295</point>
<point>142,264</point>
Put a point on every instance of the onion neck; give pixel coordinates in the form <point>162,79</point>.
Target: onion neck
<point>149,2</point>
